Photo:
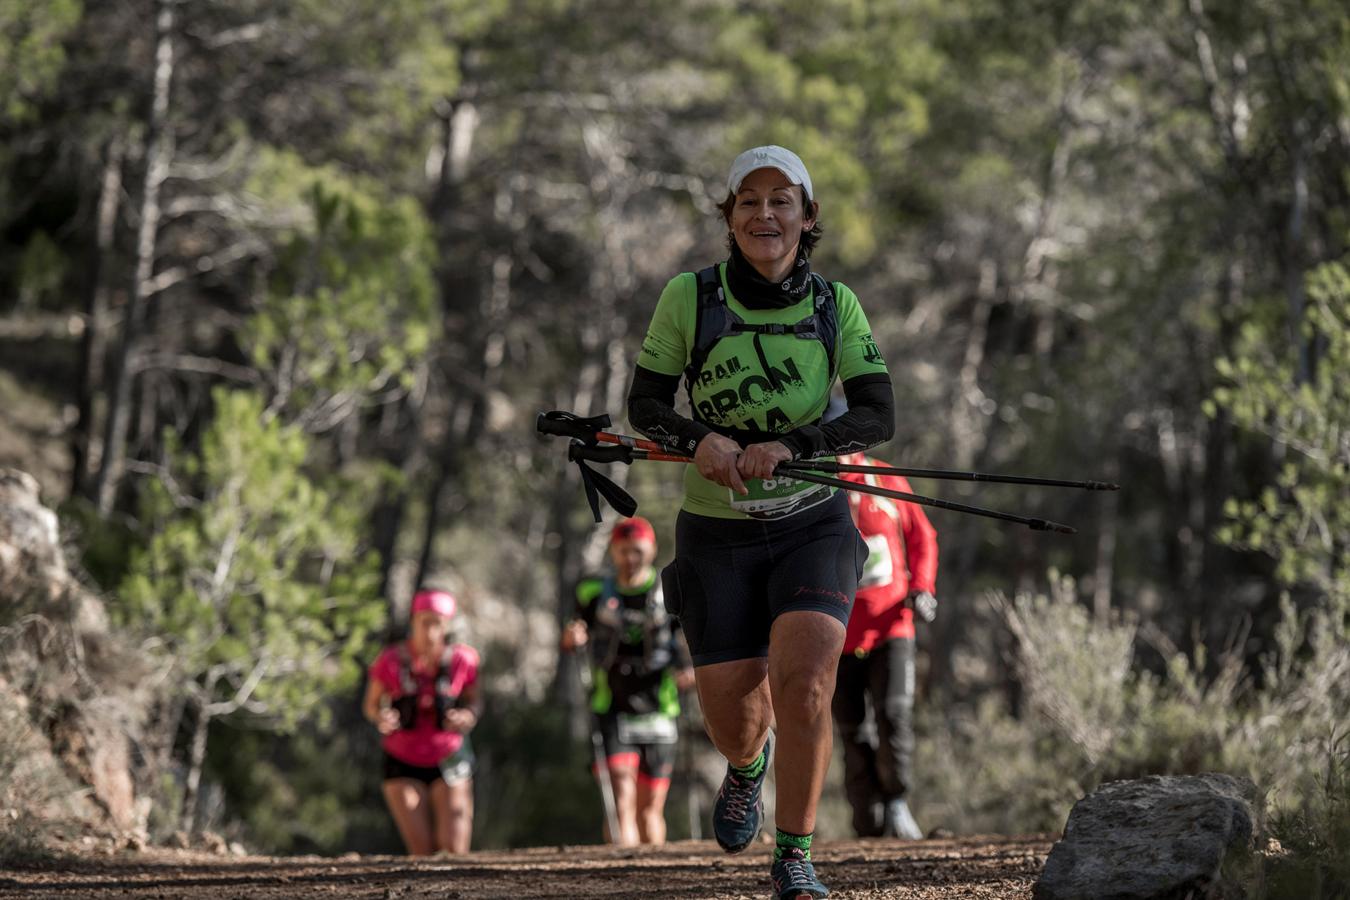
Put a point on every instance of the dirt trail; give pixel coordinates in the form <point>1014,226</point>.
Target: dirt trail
<point>926,870</point>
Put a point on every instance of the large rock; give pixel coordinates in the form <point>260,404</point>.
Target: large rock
<point>1157,838</point>
<point>67,678</point>
<point>30,548</point>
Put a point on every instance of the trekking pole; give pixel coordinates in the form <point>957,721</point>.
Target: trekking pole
<point>1033,523</point>
<point>578,451</point>
<point>590,431</point>
<point>598,751</point>
<point>943,474</point>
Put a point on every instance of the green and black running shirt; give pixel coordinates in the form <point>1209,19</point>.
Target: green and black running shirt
<point>732,391</point>
<point>634,647</point>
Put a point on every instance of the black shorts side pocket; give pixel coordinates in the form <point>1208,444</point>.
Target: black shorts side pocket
<point>682,593</point>
<point>670,588</point>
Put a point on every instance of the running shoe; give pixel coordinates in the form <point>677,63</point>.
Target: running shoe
<point>794,877</point>
<point>739,806</point>
<point>900,821</point>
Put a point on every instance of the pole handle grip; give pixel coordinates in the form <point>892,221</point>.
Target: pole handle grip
<point>566,424</point>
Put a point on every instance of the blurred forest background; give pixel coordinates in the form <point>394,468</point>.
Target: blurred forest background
<point>283,284</point>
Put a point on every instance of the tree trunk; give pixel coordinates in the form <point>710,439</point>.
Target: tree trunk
<point>93,341</point>
<point>196,761</point>
<point>1104,571</point>
<point>401,438</point>
<point>967,413</point>
<point>459,125</point>
<point>1214,576</point>
<point>158,154</point>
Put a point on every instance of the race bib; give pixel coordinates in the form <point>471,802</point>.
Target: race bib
<point>773,498</point>
<point>650,728</point>
<point>877,571</point>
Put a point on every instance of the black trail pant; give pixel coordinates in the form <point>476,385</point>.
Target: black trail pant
<point>874,709</point>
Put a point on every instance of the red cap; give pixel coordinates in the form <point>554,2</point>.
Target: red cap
<point>634,529</point>
<point>440,602</point>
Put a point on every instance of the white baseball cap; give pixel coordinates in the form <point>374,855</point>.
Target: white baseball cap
<point>770,156</point>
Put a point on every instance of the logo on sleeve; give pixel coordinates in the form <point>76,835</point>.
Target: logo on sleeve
<point>871,352</point>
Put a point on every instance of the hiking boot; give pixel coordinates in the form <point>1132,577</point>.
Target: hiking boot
<point>795,877</point>
<point>738,807</point>
<point>900,821</point>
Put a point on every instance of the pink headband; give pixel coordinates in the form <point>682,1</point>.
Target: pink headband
<point>439,602</point>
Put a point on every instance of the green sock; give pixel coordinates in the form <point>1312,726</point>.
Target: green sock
<point>789,844</point>
<point>754,769</point>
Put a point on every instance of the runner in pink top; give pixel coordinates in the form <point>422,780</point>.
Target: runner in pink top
<point>423,697</point>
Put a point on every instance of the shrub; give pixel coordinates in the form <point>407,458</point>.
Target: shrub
<point>31,786</point>
<point>1090,716</point>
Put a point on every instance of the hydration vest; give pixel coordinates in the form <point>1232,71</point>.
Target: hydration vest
<point>408,704</point>
<point>656,634</point>
<point>609,667</point>
<point>716,320</point>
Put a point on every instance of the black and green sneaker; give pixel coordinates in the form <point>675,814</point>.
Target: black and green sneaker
<point>794,878</point>
<point>739,807</point>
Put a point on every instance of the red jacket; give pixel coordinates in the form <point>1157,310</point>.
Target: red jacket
<point>903,557</point>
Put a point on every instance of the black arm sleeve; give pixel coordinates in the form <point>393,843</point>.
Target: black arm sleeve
<point>870,420</point>
<point>651,410</point>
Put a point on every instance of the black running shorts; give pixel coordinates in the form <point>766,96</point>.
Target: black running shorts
<point>654,761</point>
<point>455,768</point>
<point>731,578</point>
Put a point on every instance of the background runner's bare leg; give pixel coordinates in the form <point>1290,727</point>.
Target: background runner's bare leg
<point>453,808</point>
<point>623,778</point>
<point>409,802</point>
<point>737,709</point>
<point>651,805</point>
<point>804,651</point>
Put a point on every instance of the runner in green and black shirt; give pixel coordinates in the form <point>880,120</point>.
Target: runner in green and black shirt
<point>639,664</point>
<point>765,568</point>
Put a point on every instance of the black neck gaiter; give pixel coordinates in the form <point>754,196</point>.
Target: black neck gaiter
<point>756,292</point>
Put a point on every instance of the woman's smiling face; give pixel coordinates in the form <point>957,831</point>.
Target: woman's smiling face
<point>767,221</point>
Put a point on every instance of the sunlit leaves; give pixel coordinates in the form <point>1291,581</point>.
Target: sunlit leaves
<point>254,569</point>
<point>1302,519</point>
<point>349,309</point>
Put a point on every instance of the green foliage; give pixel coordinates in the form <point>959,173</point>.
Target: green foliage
<point>1056,215</point>
<point>317,791</point>
<point>518,737</point>
<point>844,84</point>
<point>41,269</point>
<point>349,309</point>
<point>1315,836</point>
<point>255,584</point>
<point>1302,519</point>
<point>1092,717</point>
<point>31,55</point>
<point>376,71</point>
<point>105,547</point>
<point>31,784</point>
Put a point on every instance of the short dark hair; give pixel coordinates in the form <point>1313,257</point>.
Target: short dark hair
<point>809,238</point>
